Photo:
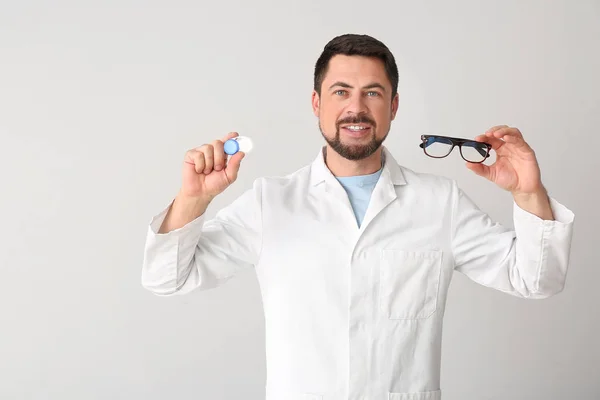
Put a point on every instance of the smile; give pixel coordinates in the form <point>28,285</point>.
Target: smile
<point>357,129</point>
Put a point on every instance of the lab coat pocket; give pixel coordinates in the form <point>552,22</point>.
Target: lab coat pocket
<point>409,283</point>
<point>435,395</point>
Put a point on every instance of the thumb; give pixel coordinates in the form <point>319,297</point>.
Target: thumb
<point>233,166</point>
<point>480,169</point>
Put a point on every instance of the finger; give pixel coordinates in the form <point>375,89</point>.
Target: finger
<point>233,166</point>
<point>209,157</point>
<point>512,136</point>
<point>495,128</point>
<point>195,159</point>
<point>480,169</point>
<point>495,142</point>
<point>230,135</point>
<point>508,131</point>
<point>199,163</point>
<point>219,155</point>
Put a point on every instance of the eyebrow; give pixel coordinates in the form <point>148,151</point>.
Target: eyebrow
<point>369,86</point>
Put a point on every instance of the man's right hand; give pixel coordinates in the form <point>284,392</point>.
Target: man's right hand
<point>206,171</point>
<point>206,174</point>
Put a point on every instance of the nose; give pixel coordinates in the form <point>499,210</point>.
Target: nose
<point>356,104</point>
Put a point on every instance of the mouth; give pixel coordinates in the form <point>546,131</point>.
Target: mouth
<point>356,130</point>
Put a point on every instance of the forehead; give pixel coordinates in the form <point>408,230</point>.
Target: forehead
<point>357,70</point>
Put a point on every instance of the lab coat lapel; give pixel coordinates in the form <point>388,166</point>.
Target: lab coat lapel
<point>385,190</point>
<point>322,178</point>
<point>383,193</point>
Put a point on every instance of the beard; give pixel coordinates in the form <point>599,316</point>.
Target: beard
<point>357,151</point>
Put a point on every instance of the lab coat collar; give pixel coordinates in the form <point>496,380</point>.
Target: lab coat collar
<point>391,169</point>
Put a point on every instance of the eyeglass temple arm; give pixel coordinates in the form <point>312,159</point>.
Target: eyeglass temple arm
<point>481,151</point>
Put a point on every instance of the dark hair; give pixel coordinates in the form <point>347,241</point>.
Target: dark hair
<point>359,45</point>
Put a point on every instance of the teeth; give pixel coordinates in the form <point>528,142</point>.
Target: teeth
<point>356,127</point>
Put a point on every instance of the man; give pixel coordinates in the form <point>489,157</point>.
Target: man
<point>354,253</point>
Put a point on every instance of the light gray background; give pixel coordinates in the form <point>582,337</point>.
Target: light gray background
<point>100,100</point>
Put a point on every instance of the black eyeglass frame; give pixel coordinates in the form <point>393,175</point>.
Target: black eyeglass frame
<point>457,142</point>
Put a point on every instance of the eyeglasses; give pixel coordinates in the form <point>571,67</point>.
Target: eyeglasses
<point>440,146</point>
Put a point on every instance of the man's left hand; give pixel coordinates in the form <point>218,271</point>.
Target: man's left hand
<point>516,169</point>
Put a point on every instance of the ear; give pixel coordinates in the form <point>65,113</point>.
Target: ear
<point>395,105</point>
<point>316,103</point>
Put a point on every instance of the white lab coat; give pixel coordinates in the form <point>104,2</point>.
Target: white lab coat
<point>356,313</point>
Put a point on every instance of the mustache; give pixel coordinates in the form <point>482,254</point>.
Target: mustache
<point>357,119</point>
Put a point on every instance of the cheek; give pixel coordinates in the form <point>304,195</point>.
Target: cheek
<point>383,114</point>
<point>329,114</point>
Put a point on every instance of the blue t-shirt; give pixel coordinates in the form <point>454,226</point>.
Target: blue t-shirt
<point>359,189</point>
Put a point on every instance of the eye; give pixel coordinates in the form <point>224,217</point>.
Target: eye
<point>340,92</point>
<point>372,93</point>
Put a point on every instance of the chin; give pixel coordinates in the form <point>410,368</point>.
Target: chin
<point>357,152</point>
<point>354,146</point>
<point>357,140</point>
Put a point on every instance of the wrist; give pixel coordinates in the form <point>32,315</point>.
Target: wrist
<point>191,206</point>
<point>184,209</point>
<point>191,200</point>
<point>535,196</point>
<point>536,202</point>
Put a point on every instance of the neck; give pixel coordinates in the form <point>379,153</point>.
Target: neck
<point>340,166</point>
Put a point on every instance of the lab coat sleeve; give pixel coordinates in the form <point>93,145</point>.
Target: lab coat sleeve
<point>203,254</point>
<point>529,261</point>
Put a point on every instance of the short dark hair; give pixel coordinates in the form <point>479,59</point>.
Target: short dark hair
<point>359,45</point>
